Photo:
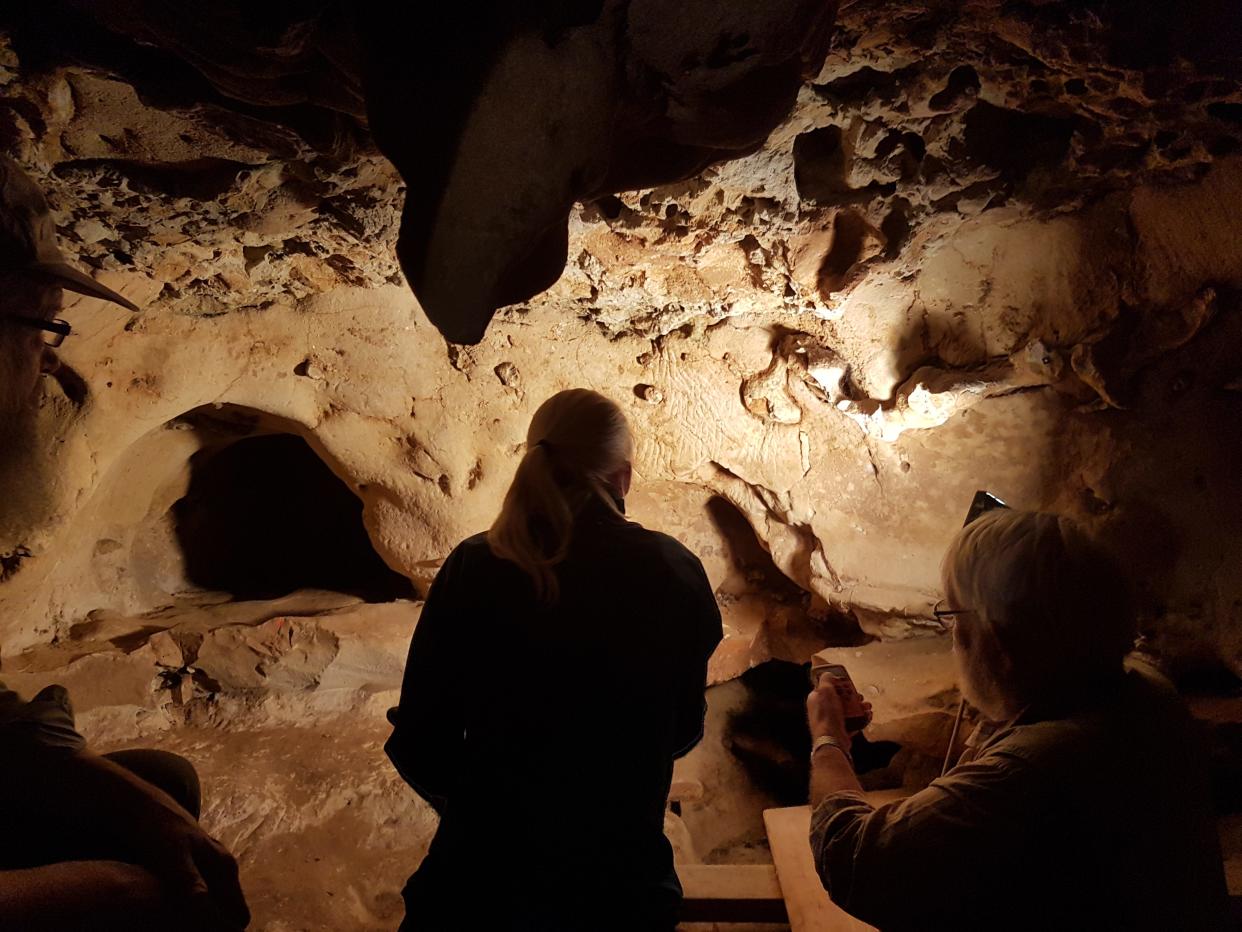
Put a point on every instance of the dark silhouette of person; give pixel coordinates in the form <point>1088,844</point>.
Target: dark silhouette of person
<point>557,670</point>
<point>88,841</point>
<point>1081,799</point>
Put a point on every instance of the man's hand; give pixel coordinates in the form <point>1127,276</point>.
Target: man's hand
<point>830,703</point>
<point>196,870</point>
<point>827,708</point>
<point>112,810</point>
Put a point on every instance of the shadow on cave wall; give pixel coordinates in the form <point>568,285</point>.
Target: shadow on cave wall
<point>796,629</point>
<point>749,558</point>
<point>264,516</point>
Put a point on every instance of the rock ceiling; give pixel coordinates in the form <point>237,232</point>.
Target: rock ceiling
<point>920,110</point>
<point>982,244</point>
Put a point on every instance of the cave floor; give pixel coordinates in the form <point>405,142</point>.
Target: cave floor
<point>326,833</point>
<point>295,781</point>
<point>324,830</point>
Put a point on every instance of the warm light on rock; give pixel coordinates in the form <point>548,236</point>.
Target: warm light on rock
<point>983,247</point>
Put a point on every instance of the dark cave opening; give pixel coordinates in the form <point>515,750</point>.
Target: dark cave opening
<point>264,516</point>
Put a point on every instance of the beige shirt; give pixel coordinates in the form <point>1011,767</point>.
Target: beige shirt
<point>1096,820</point>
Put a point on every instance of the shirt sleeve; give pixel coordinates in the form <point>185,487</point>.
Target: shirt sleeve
<point>886,865</point>
<point>705,631</point>
<point>46,721</point>
<point>428,735</point>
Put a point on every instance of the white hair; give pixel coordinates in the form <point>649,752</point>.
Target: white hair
<point>1043,601</point>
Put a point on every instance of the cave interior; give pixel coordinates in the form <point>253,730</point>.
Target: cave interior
<point>840,266</point>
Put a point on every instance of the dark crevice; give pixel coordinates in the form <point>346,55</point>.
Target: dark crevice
<point>963,83</point>
<point>748,555</point>
<point>71,383</point>
<point>820,164</point>
<point>610,206</point>
<point>203,179</point>
<point>768,734</point>
<point>1013,142</point>
<point>1226,110</point>
<point>896,227</point>
<point>914,145</point>
<point>849,231</point>
<point>866,82</point>
<point>821,169</point>
<point>1165,138</point>
<point>11,562</point>
<point>1222,146</point>
<point>264,516</point>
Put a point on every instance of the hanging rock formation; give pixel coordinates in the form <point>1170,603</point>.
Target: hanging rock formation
<point>988,246</point>
<point>498,116</point>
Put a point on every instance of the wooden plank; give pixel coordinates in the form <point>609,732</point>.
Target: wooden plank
<point>731,893</point>
<point>685,791</point>
<point>810,909</point>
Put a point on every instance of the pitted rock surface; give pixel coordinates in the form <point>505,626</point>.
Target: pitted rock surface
<point>989,245</point>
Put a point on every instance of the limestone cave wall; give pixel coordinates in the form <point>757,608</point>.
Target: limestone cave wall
<point>974,245</point>
<point>983,250</point>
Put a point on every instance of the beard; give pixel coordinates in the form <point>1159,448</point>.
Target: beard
<point>981,687</point>
<point>25,493</point>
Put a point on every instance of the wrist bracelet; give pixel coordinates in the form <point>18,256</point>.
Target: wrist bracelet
<point>827,741</point>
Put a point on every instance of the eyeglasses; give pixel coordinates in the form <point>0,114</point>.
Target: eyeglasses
<point>948,616</point>
<point>55,331</point>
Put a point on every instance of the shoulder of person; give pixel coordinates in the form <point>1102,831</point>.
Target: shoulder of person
<point>1043,742</point>
<point>475,544</point>
<point>670,549</point>
<point>1142,701</point>
<point>471,552</point>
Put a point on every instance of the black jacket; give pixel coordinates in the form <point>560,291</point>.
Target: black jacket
<point>545,734</point>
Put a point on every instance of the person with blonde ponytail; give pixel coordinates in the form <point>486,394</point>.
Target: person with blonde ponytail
<point>557,670</point>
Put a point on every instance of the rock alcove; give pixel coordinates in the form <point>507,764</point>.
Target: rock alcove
<point>835,287</point>
<point>263,517</point>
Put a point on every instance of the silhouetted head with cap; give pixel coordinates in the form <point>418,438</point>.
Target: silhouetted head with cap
<point>33,276</point>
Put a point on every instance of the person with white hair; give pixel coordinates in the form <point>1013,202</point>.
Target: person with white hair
<point>89,841</point>
<point>557,669</point>
<point>1081,800</point>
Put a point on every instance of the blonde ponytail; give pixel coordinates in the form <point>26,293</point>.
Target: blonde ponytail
<point>577,439</point>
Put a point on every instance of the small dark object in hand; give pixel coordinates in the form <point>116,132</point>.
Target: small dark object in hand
<point>855,723</point>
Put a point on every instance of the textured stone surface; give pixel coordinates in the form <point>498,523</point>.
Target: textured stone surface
<point>602,95</point>
<point>938,274</point>
<point>989,246</point>
<point>323,828</point>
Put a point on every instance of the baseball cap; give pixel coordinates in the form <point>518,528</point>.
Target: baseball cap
<point>28,237</point>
